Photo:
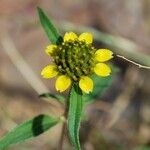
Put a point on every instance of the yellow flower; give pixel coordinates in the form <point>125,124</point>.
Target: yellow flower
<point>49,71</point>
<point>49,49</point>
<point>86,84</point>
<point>75,60</point>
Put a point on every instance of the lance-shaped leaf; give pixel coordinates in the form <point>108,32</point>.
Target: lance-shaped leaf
<point>74,115</point>
<point>49,28</point>
<point>28,129</point>
<point>57,97</point>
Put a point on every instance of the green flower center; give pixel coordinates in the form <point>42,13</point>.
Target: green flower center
<point>74,58</point>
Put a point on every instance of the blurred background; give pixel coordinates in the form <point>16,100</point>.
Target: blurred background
<point>119,118</point>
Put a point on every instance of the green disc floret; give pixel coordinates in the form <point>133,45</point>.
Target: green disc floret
<point>74,58</point>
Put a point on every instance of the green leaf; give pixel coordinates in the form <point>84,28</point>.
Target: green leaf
<point>74,115</point>
<point>100,85</point>
<point>60,98</point>
<point>49,28</point>
<point>28,129</point>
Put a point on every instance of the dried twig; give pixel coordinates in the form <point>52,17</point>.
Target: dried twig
<point>137,64</point>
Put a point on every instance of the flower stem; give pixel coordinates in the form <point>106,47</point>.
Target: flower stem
<point>60,146</point>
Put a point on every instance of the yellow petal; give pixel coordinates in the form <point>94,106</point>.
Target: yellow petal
<point>86,84</point>
<point>49,71</point>
<point>70,36</point>
<point>102,69</point>
<point>62,83</point>
<point>87,37</point>
<point>50,49</point>
<point>103,55</point>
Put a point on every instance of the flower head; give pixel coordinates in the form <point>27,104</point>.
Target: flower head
<point>75,60</point>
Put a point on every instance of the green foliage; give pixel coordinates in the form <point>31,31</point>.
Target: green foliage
<point>28,129</point>
<point>74,115</point>
<point>100,84</point>
<point>49,28</point>
<point>76,98</point>
<point>57,97</point>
